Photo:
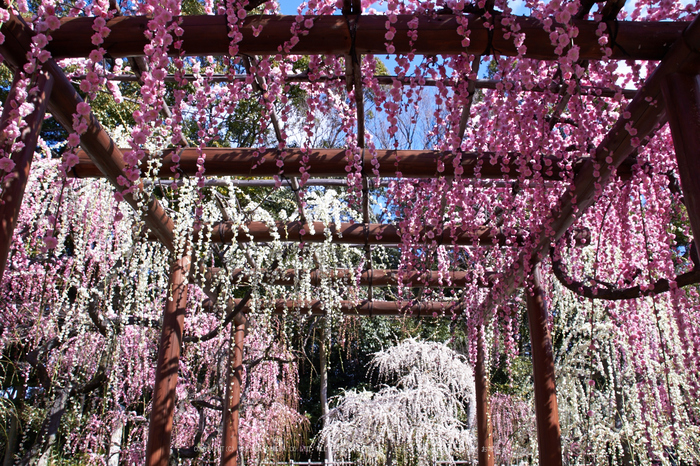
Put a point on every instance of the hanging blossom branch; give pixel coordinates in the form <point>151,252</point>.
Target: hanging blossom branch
<point>614,294</point>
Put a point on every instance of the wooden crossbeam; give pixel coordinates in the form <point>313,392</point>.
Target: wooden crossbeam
<point>388,80</point>
<point>349,233</point>
<point>360,234</point>
<point>95,142</point>
<point>647,114</point>
<point>363,308</point>
<point>375,277</point>
<point>333,162</point>
<point>208,35</point>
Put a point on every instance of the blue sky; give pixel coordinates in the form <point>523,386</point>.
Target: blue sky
<point>289,7</point>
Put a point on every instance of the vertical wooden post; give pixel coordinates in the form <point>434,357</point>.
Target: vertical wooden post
<point>230,453</point>
<point>16,181</point>
<point>682,95</point>
<point>161,423</point>
<point>483,412</point>
<point>546,408</point>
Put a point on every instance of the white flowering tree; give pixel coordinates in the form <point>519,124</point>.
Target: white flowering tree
<point>425,415</point>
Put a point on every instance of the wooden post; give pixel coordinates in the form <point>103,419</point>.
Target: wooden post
<point>546,409</point>
<point>682,95</point>
<point>483,410</point>
<point>16,181</point>
<point>161,423</point>
<point>230,453</point>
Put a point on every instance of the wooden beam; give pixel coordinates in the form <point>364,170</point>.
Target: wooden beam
<point>333,162</point>
<point>546,408</point>
<point>682,97</point>
<point>357,234</point>
<point>363,308</point>
<point>375,277</point>
<point>95,142</point>
<point>208,35</point>
<point>647,113</point>
<point>230,452</point>
<point>595,91</point>
<point>15,181</point>
<point>163,404</point>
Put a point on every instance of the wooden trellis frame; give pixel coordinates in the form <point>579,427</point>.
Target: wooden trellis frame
<point>671,93</point>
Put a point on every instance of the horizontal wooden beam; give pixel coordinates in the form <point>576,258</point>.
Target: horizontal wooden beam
<point>249,162</point>
<point>376,277</point>
<point>595,91</point>
<point>330,35</point>
<point>359,234</point>
<point>345,233</point>
<point>96,144</point>
<point>363,308</point>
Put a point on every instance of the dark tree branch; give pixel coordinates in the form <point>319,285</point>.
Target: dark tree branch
<point>199,404</point>
<point>96,319</point>
<point>614,294</point>
<point>194,451</point>
<point>32,358</point>
<point>215,331</point>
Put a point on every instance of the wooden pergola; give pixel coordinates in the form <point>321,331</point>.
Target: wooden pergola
<point>670,94</point>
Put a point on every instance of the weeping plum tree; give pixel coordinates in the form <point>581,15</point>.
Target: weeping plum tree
<point>425,415</point>
<point>83,278</point>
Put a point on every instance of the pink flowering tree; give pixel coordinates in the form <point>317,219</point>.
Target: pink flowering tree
<point>85,287</point>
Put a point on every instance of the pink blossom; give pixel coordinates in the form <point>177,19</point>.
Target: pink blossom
<point>50,242</point>
<point>6,164</point>
<point>83,108</point>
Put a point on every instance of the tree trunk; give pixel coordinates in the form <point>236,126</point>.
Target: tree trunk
<point>389,453</point>
<point>40,453</point>
<point>115,444</point>
<point>325,338</point>
<point>619,408</point>
<point>11,441</point>
<point>15,426</point>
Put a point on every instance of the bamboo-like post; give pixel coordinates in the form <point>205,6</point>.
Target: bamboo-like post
<point>682,95</point>
<point>15,182</point>
<point>163,406</point>
<point>546,408</point>
<point>483,410</point>
<point>230,447</point>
